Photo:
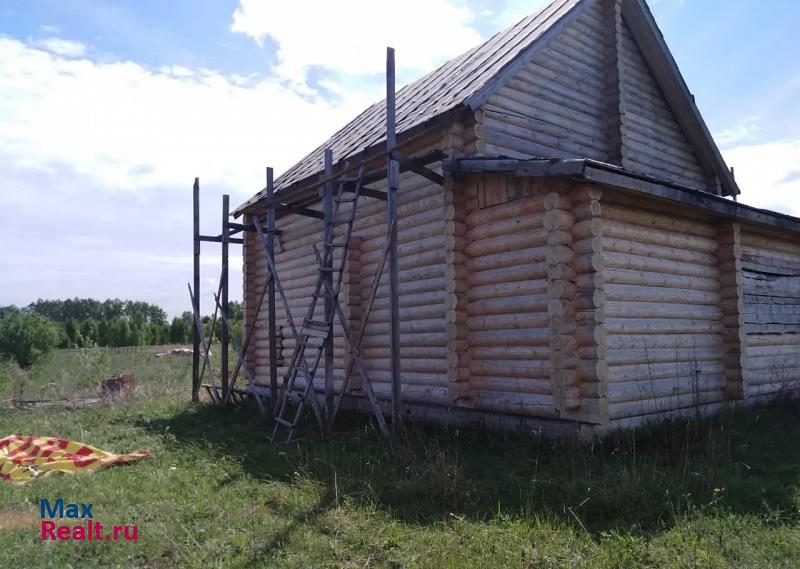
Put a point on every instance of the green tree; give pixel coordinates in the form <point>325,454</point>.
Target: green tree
<point>120,332</point>
<point>73,331</point>
<point>104,333</point>
<point>27,337</point>
<point>235,310</point>
<point>6,310</point>
<point>178,331</point>
<point>89,333</point>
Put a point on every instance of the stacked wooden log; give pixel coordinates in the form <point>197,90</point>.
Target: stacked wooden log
<point>423,338</point>
<point>509,338</point>
<point>561,272</point>
<point>351,297</point>
<point>653,142</point>
<point>555,105</point>
<point>590,338</point>
<point>732,306</point>
<point>662,312</point>
<point>456,199</point>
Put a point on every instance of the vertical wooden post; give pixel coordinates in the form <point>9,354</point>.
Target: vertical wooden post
<point>393,174</point>
<point>224,334</point>
<point>196,285</point>
<point>273,332</point>
<point>328,288</point>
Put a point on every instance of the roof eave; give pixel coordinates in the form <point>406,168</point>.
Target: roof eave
<point>596,172</point>
<point>306,188</point>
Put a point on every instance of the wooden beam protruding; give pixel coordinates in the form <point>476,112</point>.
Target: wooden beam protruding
<point>410,164</point>
<point>393,177</point>
<point>271,321</point>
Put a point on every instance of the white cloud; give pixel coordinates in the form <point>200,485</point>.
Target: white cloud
<point>129,127</point>
<point>66,48</point>
<point>352,38</point>
<point>746,131</point>
<point>98,161</point>
<point>768,174</point>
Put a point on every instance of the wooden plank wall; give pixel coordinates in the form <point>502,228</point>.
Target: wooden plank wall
<point>771,317</point>
<point>663,314</point>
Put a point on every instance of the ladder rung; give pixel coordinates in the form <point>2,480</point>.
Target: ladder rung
<point>284,422</point>
<point>315,323</point>
<point>311,332</point>
<point>336,244</point>
<point>323,295</point>
<point>345,200</point>
<point>348,179</point>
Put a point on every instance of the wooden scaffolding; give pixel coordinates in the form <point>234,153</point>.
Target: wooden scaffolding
<point>337,186</point>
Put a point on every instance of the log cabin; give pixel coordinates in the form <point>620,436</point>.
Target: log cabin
<point>582,265</point>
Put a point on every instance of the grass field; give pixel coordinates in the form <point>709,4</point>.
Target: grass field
<point>720,493</point>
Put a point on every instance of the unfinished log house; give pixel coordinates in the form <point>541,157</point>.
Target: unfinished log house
<point>581,266</point>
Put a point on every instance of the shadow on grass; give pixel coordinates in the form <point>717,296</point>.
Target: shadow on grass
<point>746,462</point>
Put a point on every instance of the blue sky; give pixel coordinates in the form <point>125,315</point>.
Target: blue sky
<point>109,109</point>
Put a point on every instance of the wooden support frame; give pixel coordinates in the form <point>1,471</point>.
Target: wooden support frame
<point>393,176</point>
<point>289,202</point>
<point>198,330</point>
<point>196,283</point>
<point>240,353</point>
<point>412,165</point>
<point>224,335</point>
<point>327,263</point>
<point>270,290</point>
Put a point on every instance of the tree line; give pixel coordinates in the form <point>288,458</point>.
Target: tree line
<point>27,333</point>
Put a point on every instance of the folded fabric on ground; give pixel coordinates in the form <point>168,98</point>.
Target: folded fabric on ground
<point>25,458</point>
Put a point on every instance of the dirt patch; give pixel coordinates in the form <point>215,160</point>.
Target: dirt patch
<point>15,518</point>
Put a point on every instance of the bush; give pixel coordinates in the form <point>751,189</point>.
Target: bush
<point>27,337</point>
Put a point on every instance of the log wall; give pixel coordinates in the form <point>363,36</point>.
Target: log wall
<point>652,141</point>
<point>556,105</point>
<point>428,232</point>
<point>506,299</point>
<point>550,299</point>
<point>590,94</point>
<point>663,313</point>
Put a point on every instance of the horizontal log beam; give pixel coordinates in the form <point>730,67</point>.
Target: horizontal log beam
<point>418,168</point>
<point>218,239</point>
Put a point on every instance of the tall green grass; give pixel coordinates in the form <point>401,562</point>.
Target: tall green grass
<point>719,492</point>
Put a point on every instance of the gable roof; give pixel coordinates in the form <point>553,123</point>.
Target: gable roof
<point>467,81</point>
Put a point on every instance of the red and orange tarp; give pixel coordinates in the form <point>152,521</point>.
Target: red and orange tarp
<point>25,458</point>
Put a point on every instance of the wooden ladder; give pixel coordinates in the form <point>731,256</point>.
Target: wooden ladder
<point>315,335</point>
